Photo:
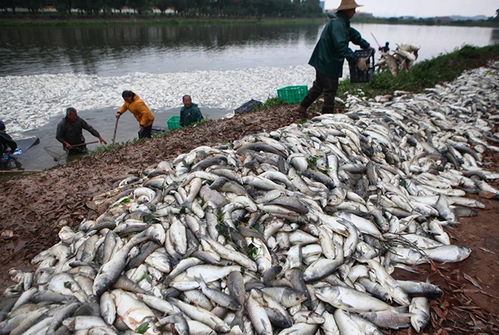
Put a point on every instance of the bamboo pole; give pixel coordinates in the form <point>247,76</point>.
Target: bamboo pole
<point>115,129</point>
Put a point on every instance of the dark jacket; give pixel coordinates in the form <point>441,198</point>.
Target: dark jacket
<point>6,142</point>
<point>72,133</point>
<point>332,47</point>
<point>190,115</point>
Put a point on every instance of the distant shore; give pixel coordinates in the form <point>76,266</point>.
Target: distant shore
<point>82,20</point>
<point>55,19</point>
<point>427,21</point>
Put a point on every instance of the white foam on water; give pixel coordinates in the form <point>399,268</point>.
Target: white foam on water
<point>30,101</point>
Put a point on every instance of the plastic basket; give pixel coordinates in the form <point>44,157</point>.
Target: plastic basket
<point>173,122</point>
<point>292,94</point>
<point>358,76</point>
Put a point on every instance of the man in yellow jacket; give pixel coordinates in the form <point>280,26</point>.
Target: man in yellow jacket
<point>138,108</point>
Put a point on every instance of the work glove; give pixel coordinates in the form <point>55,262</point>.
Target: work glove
<point>362,64</point>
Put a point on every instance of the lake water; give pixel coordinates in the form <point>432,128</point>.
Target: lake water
<point>44,70</point>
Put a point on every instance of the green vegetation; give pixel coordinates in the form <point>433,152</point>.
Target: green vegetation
<point>432,21</point>
<point>66,20</point>
<point>425,74</point>
<point>116,146</point>
<point>271,102</point>
<point>422,75</point>
<point>142,328</point>
<point>252,251</point>
<point>220,8</point>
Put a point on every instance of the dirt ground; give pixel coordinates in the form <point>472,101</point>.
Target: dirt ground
<point>34,207</point>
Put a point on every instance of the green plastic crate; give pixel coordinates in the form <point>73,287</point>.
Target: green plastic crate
<point>292,94</point>
<point>173,122</point>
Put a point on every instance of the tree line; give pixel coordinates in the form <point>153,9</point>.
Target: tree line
<point>492,21</point>
<point>286,8</point>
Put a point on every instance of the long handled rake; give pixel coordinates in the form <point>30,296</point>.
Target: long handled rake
<point>54,151</point>
<point>115,129</point>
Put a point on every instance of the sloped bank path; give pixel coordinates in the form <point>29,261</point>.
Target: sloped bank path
<point>35,207</point>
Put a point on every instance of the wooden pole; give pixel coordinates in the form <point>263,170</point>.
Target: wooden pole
<point>79,145</point>
<point>115,129</point>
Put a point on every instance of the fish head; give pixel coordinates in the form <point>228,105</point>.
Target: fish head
<point>294,298</point>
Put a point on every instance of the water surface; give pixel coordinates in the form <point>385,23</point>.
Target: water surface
<point>119,49</point>
<point>44,70</point>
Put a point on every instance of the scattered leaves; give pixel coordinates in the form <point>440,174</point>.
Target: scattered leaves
<point>142,328</point>
<point>252,251</point>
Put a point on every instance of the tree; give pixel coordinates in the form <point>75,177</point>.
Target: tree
<point>181,6</point>
<point>33,5</point>
<point>64,6</point>
<point>12,4</point>
<point>163,5</point>
<point>139,5</point>
<point>312,6</point>
<point>115,4</point>
<point>89,6</point>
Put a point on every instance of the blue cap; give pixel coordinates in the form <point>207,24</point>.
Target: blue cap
<point>2,125</point>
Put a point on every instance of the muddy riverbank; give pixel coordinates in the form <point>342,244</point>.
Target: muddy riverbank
<point>35,207</point>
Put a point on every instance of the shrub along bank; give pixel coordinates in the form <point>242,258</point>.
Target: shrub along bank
<point>425,74</point>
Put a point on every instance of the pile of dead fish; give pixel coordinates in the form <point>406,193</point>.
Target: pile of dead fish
<point>296,231</point>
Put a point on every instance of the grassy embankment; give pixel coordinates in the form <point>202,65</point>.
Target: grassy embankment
<point>422,75</point>
<point>425,74</point>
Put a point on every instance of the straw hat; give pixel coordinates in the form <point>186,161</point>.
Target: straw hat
<point>348,4</point>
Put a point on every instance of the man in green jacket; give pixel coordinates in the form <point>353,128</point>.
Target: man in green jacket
<point>329,55</point>
<point>190,113</point>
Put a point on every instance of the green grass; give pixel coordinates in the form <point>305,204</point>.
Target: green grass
<point>422,75</point>
<point>427,21</point>
<point>270,103</point>
<point>425,74</point>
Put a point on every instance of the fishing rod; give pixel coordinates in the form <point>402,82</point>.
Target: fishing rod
<point>379,46</point>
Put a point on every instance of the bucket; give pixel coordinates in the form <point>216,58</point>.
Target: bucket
<point>358,76</point>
